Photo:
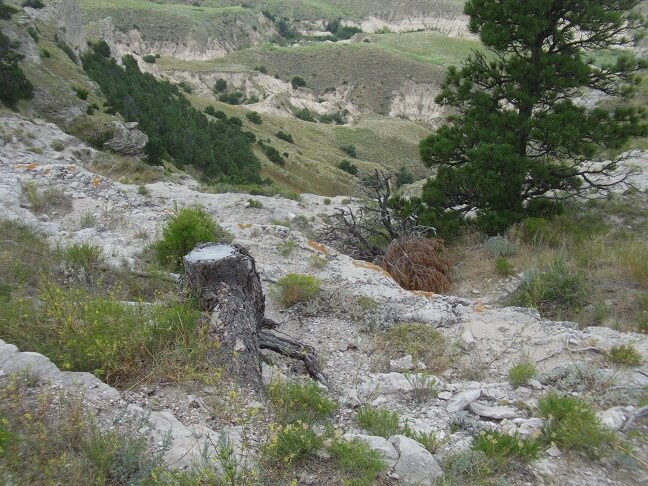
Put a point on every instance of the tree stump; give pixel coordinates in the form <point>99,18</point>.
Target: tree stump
<point>224,280</point>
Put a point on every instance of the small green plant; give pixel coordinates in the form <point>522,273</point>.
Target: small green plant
<point>291,443</point>
<point>521,373</point>
<point>285,136</point>
<point>468,467</point>
<point>149,58</point>
<point>359,464</point>
<point>255,204</point>
<point>350,150</point>
<point>188,227</point>
<point>327,201</point>
<point>317,262</point>
<point>306,115</point>
<point>366,303</point>
<point>294,288</point>
<point>501,448</point>
<point>87,220</point>
<point>571,424</point>
<point>422,341</point>
<point>51,199</point>
<point>503,267</point>
<point>57,146</point>
<point>424,386</point>
<point>45,54</point>
<point>429,440</point>
<point>348,167</point>
<point>554,291</point>
<point>33,33</point>
<point>33,4</point>
<point>220,85</point>
<point>300,401</point>
<point>378,421</point>
<point>499,246</point>
<point>82,93</point>
<point>254,117</point>
<point>261,69</point>
<point>143,191</point>
<point>625,354</point>
<point>297,82</point>
<point>286,247</point>
<point>84,256</point>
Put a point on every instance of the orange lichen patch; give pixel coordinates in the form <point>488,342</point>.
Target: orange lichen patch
<point>245,225</point>
<point>28,167</point>
<point>423,293</point>
<point>318,247</point>
<point>95,182</point>
<point>370,266</point>
<point>479,307</point>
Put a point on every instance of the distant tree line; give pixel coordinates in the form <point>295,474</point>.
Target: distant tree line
<point>217,147</point>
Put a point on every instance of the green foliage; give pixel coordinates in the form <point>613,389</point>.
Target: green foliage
<point>516,134</point>
<point>255,204</point>
<point>468,467</point>
<point>340,31</point>
<point>350,150</point>
<point>293,443</point>
<point>84,256</point>
<point>301,401</point>
<point>422,341</point>
<point>149,58</point>
<point>625,354</point>
<point>188,227</point>
<point>429,440</point>
<point>219,148</point>
<point>317,262</point>
<point>404,176</point>
<point>327,201</point>
<point>81,93</point>
<point>115,341</point>
<point>499,246</point>
<point>297,82</point>
<point>15,85</point>
<point>554,291</point>
<point>337,118</point>
<point>378,421</point>
<point>503,267</point>
<point>69,52</point>
<point>286,247</point>
<point>261,69</point>
<point>44,201</point>
<point>348,167</point>
<point>571,424</point>
<point>501,448</point>
<point>285,136</point>
<point>143,191</point>
<point>254,117</point>
<point>87,220</point>
<point>100,47</point>
<point>286,30</point>
<point>233,98</point>
<point>33,33</point>
<point>357,461</point>
<point>272,153</point>
<point>48,438</point>
<point>306,115</point>
<point>521,373</point>
<point>33,4</point>
<point>294,288</point>
<point>220,85</point>
<point>6,11</point>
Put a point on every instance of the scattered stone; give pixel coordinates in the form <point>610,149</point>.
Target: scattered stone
<point>497,413</point>
<point>415,466</point>
<point>614,418</point>
<point>523,393</point>
<point>446,395</point>
<point>467,341</point>
<point>406,363</point>
<point>554,452</point>
<point>384,383</point>
<point>535,384</point>
<point>463,399</point>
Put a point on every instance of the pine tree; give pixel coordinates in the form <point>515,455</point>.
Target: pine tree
<point>519,136</point>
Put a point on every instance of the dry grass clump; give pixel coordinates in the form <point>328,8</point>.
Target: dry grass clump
<point>418,264</point>
<point>426,345</point>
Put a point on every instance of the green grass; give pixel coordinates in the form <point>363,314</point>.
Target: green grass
<point>521,373</point>
<point>378,421</point>
<point>299,402</point>
<point>294,288</point>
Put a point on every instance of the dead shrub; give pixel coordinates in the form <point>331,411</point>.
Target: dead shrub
<point>418,264</point>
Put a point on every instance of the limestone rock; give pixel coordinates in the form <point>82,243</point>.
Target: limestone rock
<point>467,341</point>
<point>384,384</point>
<point>380,444</point>
<point>463,399</point>
<point>406,363</point>
<point>127,139</point>
<point>614,418</point>
<point>497,413</point>
<point>415,466</point>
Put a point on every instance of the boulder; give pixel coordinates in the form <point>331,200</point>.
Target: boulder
<point>380,444</point>
<point>463,399</point>
<point>127,139</point>
<point>415,466</point>
<point>497,413</point>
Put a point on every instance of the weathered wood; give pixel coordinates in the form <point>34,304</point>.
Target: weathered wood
<point>224,280</point>
<point>295,350</point>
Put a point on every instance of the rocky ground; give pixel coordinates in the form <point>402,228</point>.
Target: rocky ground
<point>474,393</point>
